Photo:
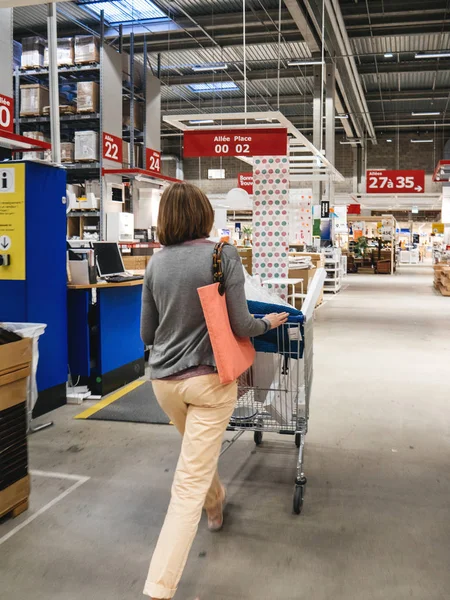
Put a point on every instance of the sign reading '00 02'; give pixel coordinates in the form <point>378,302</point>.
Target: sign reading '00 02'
<point>395,182</point>
<point>264,141</point>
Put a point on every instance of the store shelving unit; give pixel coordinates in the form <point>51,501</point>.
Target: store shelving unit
<point>333,267</point>
<point>69,76</point>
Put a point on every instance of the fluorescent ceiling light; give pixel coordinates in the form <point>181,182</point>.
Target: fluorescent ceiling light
<point>201,122</point>
<point>216,86</point>
<point>425,114</point>
<point>301,62</point>
<point>263,119</point>
<point>388,55</point>
<point>354,142</point>
<point>422,141</point>
<point>124,11</point>
<point>433,55</point>
<point>341,116</point>
<point>211,67</point>
<point>389,141</point>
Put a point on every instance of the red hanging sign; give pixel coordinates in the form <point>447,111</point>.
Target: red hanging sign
<point>245,181</point>
<point>395,182</point>
<point>354,209</point>
<point>236,142</point>
<point>112,148</point>
<point>153,160</point>
<point>6,113</point>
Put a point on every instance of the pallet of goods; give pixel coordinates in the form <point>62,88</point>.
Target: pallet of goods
<point>15,368</point>
<point>32,53</point>
<point>87,50</point>
<point>438,268</point>
<point>64,109</point>
<point>444,281</point>
<point>33,99</point>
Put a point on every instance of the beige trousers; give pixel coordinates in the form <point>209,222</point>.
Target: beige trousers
<point>200,408</point>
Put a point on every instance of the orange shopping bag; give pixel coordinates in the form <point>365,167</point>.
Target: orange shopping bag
<point>233,355</point>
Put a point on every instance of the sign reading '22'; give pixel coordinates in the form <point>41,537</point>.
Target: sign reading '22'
<point>112,147</point>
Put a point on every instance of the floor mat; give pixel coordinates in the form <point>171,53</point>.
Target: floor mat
<point>137,406</point>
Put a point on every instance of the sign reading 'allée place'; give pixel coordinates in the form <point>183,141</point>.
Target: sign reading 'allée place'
<point>265,141</point>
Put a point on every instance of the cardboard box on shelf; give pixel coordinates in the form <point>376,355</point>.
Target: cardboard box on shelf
<point>316,257</point>
<point>32,52</point>
<point>87,96</point>
<point>15,369</point>
<point>33,98</point>
<point>65,53</point>
<point>246,255</point>
<point>138,115</point>
<point>37,135</point>
<point>125,154</point>
<point>87,49</point>
<point>135,263</point>
<point>307,276</point>
<point>67,152</point>
<point>86,146</point>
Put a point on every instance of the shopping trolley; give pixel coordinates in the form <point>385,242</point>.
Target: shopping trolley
<point>274,394</point>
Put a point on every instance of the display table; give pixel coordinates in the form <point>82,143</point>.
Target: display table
<point>105,346</point>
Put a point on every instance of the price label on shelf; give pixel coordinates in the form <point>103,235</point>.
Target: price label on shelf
<point>112,148</point>
<point>395,182</point>
<point>6,113</point>
<point>153,160</point>
<point>236,142</point>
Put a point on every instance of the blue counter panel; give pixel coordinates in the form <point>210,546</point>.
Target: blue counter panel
<point>119,312</point>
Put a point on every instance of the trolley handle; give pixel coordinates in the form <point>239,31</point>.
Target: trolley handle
<point>293,319</point>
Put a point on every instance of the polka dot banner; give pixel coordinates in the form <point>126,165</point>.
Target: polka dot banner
<point>300,216</point>
<point>271,220</point>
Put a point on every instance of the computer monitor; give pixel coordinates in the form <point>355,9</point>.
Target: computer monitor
<point>109,259</point>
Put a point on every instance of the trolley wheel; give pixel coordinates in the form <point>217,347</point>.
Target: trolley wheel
<point>258,437</point>
<point>299,493</point>
<point>298,439</point>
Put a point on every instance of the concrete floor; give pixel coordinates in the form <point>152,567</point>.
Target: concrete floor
<point>376,521</point>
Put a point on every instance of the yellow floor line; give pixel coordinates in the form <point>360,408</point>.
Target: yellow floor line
<point>109,400</point>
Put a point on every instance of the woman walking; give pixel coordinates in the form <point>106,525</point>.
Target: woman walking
<point>183,370</point>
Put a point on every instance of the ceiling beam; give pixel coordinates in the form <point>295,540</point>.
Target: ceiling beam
<point>301,19</point>
<point>415,66</point>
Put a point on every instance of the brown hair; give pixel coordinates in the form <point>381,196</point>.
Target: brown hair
<point>185,213</point>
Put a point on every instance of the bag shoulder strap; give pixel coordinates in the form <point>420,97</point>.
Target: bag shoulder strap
<point>218,274</point>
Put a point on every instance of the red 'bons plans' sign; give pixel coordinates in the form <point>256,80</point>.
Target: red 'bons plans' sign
<point>395,182</point>
<point>245,181</point>
<point>6,113</point>
<point>265,141</point>
<point>112,147</point>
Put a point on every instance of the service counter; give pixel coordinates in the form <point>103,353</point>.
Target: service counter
<point>105,347</point>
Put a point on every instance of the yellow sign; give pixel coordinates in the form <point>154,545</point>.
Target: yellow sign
<point>437,228</point>
<point>12,221</point>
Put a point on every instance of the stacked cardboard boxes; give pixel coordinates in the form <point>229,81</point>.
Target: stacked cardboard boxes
<point>15,367</point>
<point>65,54</point>
<point>86,146</point>
<point>87,49</point>
<point>33,98</point>
<point>307,275</point>
<point>246,255</point>
<point>442,278</point>
<point>32,52</point>
<point>135,263</point>
<point>87,97</point>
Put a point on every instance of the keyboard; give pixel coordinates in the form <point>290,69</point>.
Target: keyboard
<point>123,278</point>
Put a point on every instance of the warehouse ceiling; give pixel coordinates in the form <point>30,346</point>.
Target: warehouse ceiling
<point>392,56</point>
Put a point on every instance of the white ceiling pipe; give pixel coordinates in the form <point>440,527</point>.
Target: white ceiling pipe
<point>335,14</point>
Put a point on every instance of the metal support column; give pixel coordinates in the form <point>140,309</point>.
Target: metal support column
<point>330,122</point>
<point>53,83</point>
<point>132,100</point>
<point>317,127</point>
<point>17,102</point>
<point>144,92</point>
